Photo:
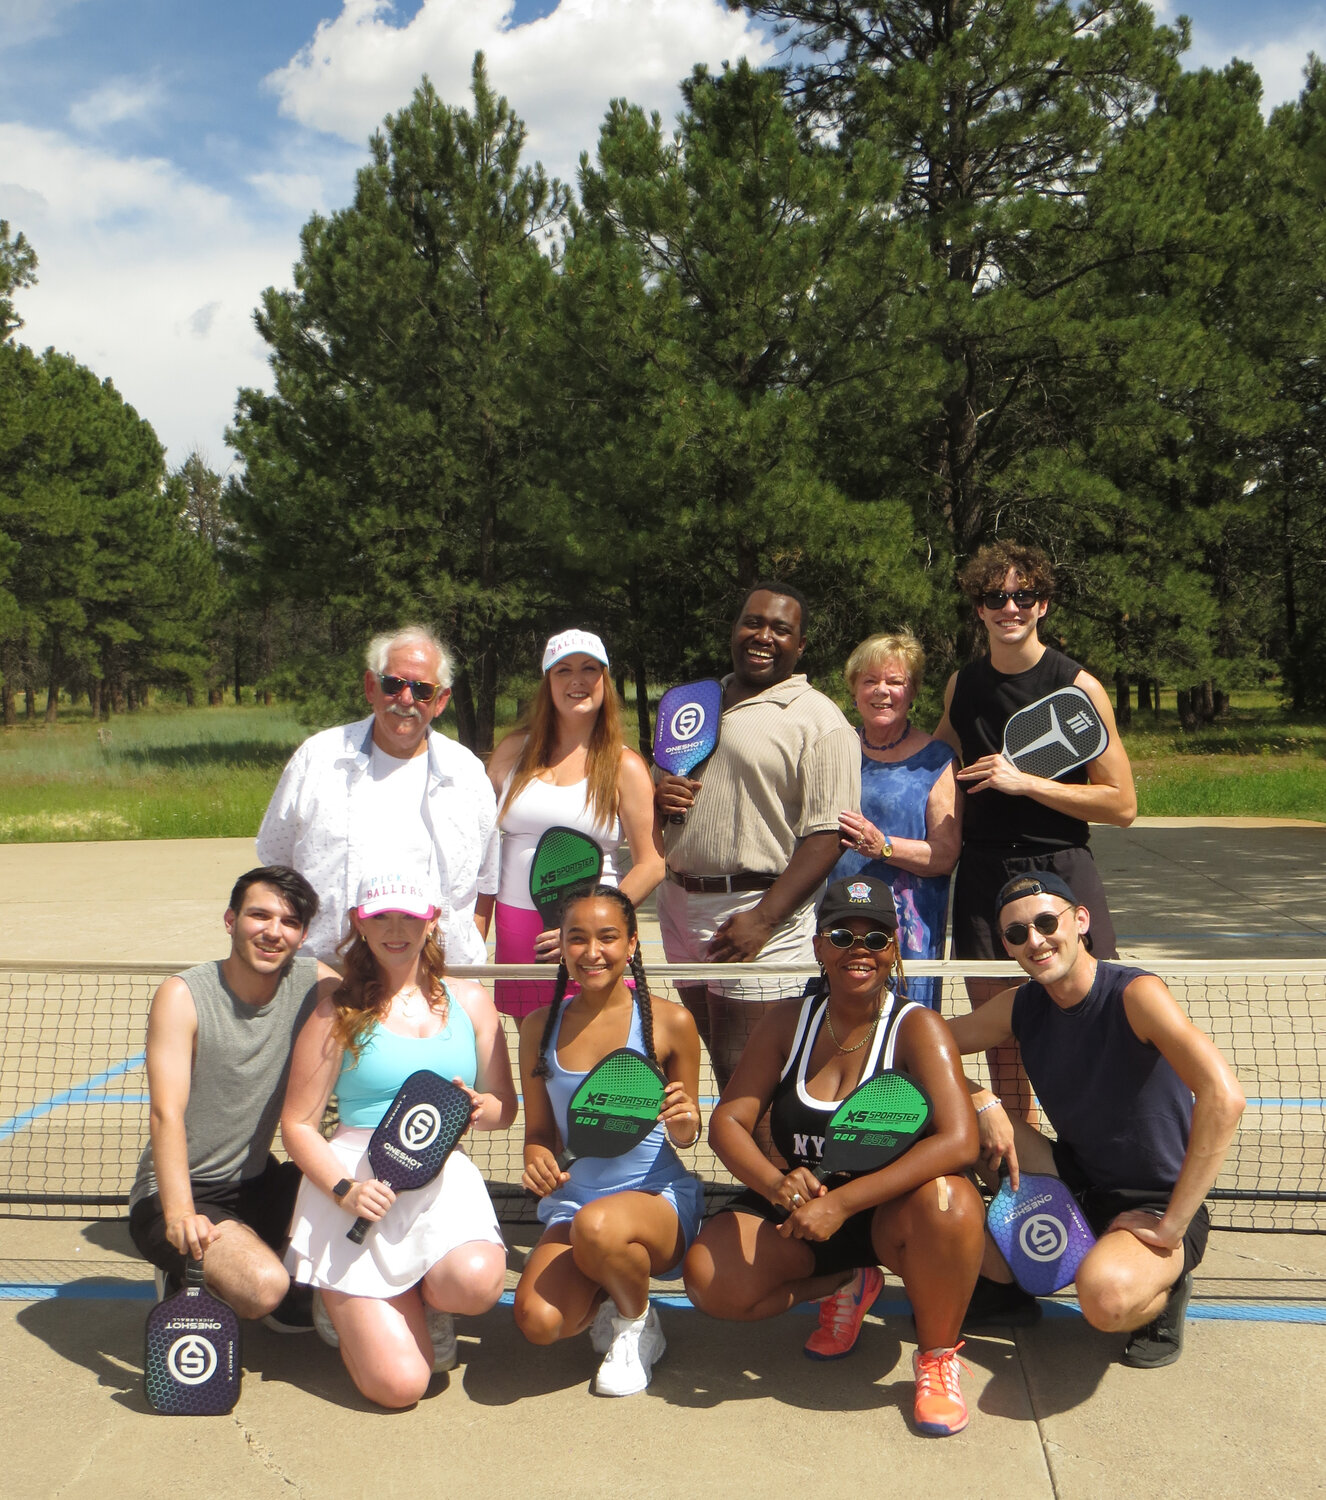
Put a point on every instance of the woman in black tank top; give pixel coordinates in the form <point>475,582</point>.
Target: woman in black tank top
<point>790,1238</point>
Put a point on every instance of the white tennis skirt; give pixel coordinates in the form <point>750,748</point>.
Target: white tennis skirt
<point>414,1234</point>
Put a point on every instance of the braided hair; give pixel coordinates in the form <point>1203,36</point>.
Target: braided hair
<point>643,1000</point>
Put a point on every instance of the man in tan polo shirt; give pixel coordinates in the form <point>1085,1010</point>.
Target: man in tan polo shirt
<point>761,828</point>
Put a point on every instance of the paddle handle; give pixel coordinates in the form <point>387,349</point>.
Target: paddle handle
<point>356,1232</point>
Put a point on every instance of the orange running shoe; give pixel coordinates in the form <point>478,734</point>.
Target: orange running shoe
<point>841,1315</point>
<point>940,1410</point>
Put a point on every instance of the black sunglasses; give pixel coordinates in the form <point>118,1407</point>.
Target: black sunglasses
<point>844,937</point>
<point>421,692</point>
<point>1045,922</point>
<point>1023,598</point>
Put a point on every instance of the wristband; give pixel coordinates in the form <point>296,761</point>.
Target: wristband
<point>991,1105</point>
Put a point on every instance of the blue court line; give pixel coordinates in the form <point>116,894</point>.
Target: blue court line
<point>1220,1312</point>
<point>83,1093</point>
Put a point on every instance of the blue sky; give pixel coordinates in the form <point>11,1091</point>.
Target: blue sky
<point>161,155</point>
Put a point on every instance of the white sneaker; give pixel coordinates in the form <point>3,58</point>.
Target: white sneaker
<point>322,1323</point>
<point>636,1344</point>
<point>600,1333</point>
<point>442,1331</point>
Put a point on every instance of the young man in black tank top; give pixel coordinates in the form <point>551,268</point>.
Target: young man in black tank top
<point>1144,1106</point>
<point>1014,823</point>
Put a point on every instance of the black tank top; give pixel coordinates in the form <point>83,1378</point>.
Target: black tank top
<point>1109,1095</point>
<point>796,1120</point>
<point>983,702</point>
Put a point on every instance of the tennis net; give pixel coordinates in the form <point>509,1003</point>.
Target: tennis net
<point>73,1090</point>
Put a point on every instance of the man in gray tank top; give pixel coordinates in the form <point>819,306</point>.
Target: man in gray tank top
<point>1142,1102</point>
<point>218,1051</point>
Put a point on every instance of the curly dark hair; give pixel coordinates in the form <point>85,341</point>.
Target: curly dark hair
<point>643,1001</point>
<point>358,998</point>
<point>987,570</point>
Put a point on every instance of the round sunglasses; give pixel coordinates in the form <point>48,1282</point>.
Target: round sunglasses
<point>1045,922</point>
<point>844,937</point>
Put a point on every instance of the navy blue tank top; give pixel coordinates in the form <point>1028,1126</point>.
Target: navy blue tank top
<point>983,702</point>
<point>796,1118</point>
<point>1109,1095</point>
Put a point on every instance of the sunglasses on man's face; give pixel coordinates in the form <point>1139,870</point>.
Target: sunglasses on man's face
<point>844,937</point>
<point>1045,922</point>
<point>421,692</point>
<point>1023,598</point>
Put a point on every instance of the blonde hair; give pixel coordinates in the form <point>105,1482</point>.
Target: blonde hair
<point>603,757</point>
<point>899,645</point>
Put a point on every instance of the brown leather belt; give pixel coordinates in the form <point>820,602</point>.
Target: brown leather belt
<point>720,885</point>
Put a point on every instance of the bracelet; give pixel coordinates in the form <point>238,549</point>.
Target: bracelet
<point>684,1145</point>
<point>991,1105</point>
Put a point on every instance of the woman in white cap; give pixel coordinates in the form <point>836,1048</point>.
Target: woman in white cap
<point>566,766</point>
<point>431,1252</point>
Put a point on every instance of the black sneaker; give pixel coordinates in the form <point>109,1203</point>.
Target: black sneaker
<point>1000,1304</point>
<point>1161,1342</point>
<point>294,1312</point>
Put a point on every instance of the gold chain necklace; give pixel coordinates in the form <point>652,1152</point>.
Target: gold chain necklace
<point>833,1035</point>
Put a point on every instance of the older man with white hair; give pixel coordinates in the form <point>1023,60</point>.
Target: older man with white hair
<point>384,791</point>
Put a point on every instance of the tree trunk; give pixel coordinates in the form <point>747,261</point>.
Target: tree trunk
<point>1207,701</point>
<point>215,697</point>
<point>643,726</point>
<point>237,697</point>
<point>462,700</point>
<point>1187,700</point>
<point>29,702</point>
<point>1123,703</point>
<point>190,697</point>
<point>94,697</point>
<point>10,705</point>
<point>486,717</point>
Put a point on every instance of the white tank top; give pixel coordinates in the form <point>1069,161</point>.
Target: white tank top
<point>539,807</point>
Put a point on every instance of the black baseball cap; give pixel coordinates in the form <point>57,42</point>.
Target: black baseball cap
<point>861,896</point>
<point>1036,883</point>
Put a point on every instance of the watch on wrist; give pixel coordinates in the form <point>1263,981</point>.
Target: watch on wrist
<point>342,1188</point>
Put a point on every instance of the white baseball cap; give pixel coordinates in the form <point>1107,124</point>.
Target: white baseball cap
<point>571,642</point>
<point>411,892</point>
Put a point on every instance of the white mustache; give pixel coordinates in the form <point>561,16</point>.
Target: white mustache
<point>404,713</point>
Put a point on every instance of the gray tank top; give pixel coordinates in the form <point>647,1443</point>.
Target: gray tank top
<point>239,1074</point>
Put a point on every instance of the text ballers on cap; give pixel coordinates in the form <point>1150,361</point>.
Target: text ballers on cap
<point>381,888</point>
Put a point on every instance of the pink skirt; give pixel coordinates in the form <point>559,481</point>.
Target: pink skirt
<point>517,927</point>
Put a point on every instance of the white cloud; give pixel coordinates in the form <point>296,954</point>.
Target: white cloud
<point>24,21</point>
<point>559,72</point>
<point>148,277</point>
<point>117,100</point>
<point>1279,60</point>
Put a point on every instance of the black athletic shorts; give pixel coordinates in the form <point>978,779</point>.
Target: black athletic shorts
<point>1100,1206</point>
<point>848,1250</point>
<point>983,870</point>
<point>265,1203</point>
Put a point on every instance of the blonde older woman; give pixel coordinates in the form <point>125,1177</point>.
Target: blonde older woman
<point>909,826</point>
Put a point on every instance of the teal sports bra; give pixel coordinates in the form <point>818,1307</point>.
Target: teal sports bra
<point>365,1088</point>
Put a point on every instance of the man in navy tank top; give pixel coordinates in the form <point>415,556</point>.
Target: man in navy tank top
<point>1013,822</point>
<point>1144,1107</point>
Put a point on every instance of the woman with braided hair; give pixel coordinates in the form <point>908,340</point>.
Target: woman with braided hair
<point>610,1223</point>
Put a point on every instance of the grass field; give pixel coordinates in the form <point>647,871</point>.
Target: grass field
<point>171,772</point>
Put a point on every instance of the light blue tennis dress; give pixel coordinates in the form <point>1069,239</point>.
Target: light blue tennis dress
<point>652,1166</point>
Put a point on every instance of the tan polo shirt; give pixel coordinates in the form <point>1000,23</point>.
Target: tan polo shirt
<point>787,764</point>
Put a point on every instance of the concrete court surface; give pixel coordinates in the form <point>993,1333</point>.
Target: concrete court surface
<point>1234,888</point>
<point>732,1409</point>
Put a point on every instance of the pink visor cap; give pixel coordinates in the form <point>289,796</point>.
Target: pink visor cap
<point>414,894</point>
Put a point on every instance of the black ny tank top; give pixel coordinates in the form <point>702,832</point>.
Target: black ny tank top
<point>796,1120</point>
